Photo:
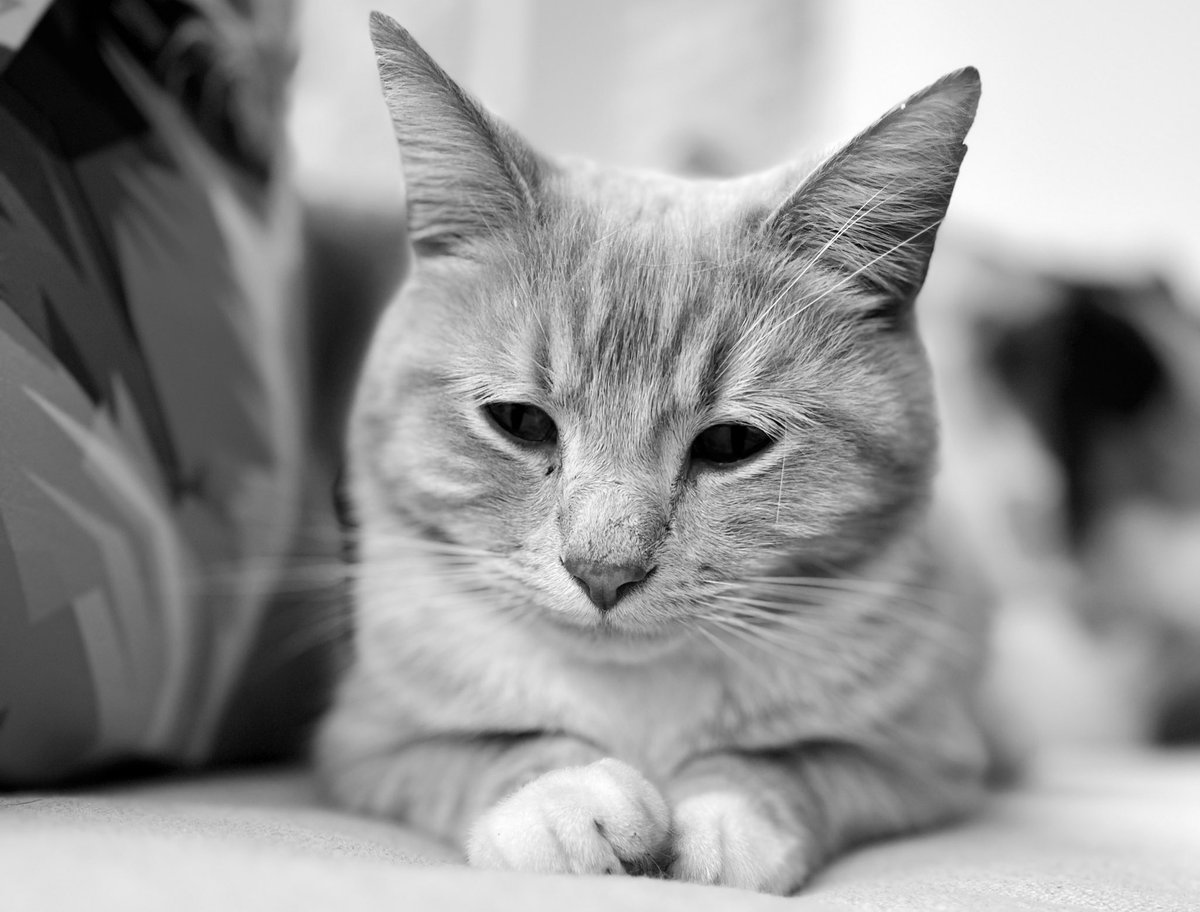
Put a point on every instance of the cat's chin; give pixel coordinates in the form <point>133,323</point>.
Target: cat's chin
<point>615,639</point>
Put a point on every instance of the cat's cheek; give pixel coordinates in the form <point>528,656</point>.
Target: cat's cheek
<point>724,838</point>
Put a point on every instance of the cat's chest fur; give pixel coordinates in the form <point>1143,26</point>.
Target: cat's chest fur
<point>655,714</point>
<point>652,707</point>
<point>449,663</point>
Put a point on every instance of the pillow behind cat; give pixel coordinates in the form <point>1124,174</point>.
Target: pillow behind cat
<point>152,414</point>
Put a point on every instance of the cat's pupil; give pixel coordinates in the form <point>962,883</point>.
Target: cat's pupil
<point>523,421</point>
<point>725,443</point>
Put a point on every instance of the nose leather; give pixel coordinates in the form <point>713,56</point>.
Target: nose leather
<point>605,583</point>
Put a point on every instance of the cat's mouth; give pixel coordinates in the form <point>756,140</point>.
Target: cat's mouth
<point>569,611</point>
<point>612,639</point>
<point>614,628</point>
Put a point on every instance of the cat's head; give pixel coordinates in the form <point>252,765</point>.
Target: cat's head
<point>636,393</point>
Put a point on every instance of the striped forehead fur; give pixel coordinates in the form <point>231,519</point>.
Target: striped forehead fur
<point>638,310</point>
<point>659,293</point>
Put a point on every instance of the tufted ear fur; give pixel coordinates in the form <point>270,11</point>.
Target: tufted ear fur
<point>872,210</point>
<point>467,176</point>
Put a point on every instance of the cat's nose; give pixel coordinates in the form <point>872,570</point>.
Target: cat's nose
<point>605,583</point>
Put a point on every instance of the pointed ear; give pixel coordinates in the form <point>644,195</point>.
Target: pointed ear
<point>467,177</point>
<point>872,210</point>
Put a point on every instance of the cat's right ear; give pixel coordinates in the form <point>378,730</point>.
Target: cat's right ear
<point>467,177</point>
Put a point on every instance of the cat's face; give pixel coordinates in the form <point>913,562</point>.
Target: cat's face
<point>620,400</point>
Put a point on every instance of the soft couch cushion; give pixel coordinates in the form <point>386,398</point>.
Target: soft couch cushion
<point>1101,832</point>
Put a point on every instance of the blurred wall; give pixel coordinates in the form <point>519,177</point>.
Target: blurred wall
<point>1084,150</point>
<point>1088,138</point>
<point>706,85</point>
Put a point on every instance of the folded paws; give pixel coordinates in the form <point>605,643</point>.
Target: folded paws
<point>603,818</point>
<point>725,837</point>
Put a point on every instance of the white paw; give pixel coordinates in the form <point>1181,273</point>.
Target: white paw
<point>596,819</point>
<point>725,838</point>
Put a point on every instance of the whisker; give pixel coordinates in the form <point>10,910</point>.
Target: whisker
<point>844,582</point>
<point>754,637</point>
<point>723,647</point>
<point>863,268</point>
<point>852,221</point>
<point>331,630</point>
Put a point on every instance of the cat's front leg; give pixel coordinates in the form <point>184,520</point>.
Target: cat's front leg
<point>529,802</point>
<point>602,818</point>
<point>767,822</point>
<point>727,834</point>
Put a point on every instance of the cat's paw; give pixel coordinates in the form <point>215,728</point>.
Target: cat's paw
<point>603,818</point>
<point>725,838</point>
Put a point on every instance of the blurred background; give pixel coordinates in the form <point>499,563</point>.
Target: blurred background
<point>1084,150</point>
<point>178,204</point>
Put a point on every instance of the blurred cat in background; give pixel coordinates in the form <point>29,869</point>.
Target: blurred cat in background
<point>1071,480</point>
<point>641,470</point>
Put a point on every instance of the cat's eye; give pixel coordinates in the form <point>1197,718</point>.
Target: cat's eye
<point>728,443</point>
<point>525,422</point>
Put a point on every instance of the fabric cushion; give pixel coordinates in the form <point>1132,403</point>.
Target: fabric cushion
<point>151,394</point>
<point>1099,832</point>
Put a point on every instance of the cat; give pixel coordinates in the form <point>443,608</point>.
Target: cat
<point>641,470</point>
<point>1071,405</point>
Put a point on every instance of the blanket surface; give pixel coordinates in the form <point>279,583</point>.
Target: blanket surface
<point>1098,832</point>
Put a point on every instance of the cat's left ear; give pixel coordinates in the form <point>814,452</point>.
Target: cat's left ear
<point>467,177</point>
<point>872,210</point>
